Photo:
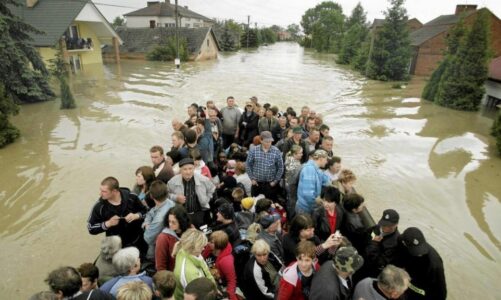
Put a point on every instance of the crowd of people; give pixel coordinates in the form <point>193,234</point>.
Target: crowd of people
<point>247,204</point>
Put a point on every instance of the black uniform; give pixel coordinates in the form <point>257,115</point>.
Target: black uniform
<point>380,254</point>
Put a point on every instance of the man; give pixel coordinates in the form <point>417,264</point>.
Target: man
<point>178,125</point>
<point>311,181</point>
<point>268,122</point>
<point>424,265</point>
<point>225,218</point>
<point>381,251</point>
<point>193,191</point>
<point>231,116</point>
<point>254,100</point>
<point>293,122</point>
<point>309,123</point>
<point>327,144</point>
<point>192,110</point>
<point>164,284</point>
<point>118,212</point>
<point>190,139</point>
<point>278,130</point>
<point>271,234</point>
<point>212,106</point>
<point>312,140</point>
<point>66,283</point>
<point>89,273</point>
<point>163,169</point>
<point>391,283</point>
<point>305,113</point>
<point>296,140</point>
<point>216,127</point>
<point>200,289</point>
<point>177,139</point>
<point>333,281</point>
<point>154,220</point>
<point>265,167</point>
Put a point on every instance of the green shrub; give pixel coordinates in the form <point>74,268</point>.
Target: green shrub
<point>496,132</point>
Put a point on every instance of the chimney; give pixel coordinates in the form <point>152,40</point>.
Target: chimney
<point>462,8</point>
<point>31,3</point>
<point>151,3</point>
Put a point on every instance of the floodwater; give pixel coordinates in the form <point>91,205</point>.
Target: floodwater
<point>437,167</point>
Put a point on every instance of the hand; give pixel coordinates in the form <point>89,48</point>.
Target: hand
<point>113,221</point>
<point>332,241</point>
<point>131,217</point>
<point>181,199</point>
<point>377,238</point>
<point>273,183</point>
<point>146,226</point>
<point>236,135</point>
<point>254,182</point>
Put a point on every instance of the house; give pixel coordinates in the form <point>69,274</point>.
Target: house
<point>492,96</point>
<point>202,42</point>
<point>429,42</point>
<point>284,36</point>
<point>76,25</point>
<point>412,24</point>
<point>162,14</point>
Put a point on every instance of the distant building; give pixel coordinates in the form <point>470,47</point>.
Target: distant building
<point>202,42</point>
<point>412,24</point>
<point>492,96</point>
<point>429,42</point>
<point>77,25</point>
<point>162,14</point>
<point>284,36</point>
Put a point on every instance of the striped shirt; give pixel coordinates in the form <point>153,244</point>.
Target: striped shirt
<point>265,166</point>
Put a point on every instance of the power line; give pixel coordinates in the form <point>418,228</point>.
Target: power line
<point>115,5</point>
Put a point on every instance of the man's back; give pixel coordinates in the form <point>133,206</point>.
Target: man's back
<point>326,284</point>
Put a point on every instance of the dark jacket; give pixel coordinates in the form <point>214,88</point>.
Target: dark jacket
<point>231,230</point>
<point>288,145</point>
<point>131,233</point>
<point>322,228</point>
<point>426,272</point>
<point>252,283</point>
<point>380,254</point>
<point>249,131</point>
<point>166,173</point>
<point>354,230</point>
<point>326,285</point>
<point>277,132</point>
<point>290,245</point>
<point>266,124</point>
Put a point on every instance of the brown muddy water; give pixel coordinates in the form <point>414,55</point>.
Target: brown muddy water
<point>436,166</point>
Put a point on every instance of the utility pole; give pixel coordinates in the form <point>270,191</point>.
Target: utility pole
<point>177,61</point>
<point>248,30</point>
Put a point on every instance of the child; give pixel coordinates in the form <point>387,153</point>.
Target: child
<point>245,217</point>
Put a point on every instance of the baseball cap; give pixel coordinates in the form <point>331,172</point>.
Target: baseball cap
<point>390,217</point>
<point>267,220</point>
<point>266,136</point>
<point>413,239</point>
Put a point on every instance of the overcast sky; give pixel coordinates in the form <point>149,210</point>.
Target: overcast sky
<point>284,12</point>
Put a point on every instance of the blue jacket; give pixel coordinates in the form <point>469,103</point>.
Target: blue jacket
<point>311,180</point>
<point>155,221</point>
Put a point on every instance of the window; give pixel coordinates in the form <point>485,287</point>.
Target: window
<point>75,63</point>
<point>208,42</point>
<point>73,31</point>
<point>152,24</point>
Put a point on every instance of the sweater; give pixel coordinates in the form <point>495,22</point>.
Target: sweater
<point>311,180</point>
<point>163,250</point>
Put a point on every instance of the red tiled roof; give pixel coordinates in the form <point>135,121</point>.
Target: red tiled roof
<point>495,69</point>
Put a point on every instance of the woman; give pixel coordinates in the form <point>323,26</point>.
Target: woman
<point>353,227</point>
<point>292,163</point>
<point>346,182</point>
<point>303,229</point>
<point>242,177</point>
<point>332,168</point>
<point>248,125</point>
<point>144,177</point>
<point>189,262</point>
<point>200,166</point>
<point>260,275</point>
<point>296,281</point>
<point>328,215</point>
<point>127,262</point>
<point>176,222</point>
<point>225,262</point>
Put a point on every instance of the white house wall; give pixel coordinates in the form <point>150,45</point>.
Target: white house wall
<point>142,22</point>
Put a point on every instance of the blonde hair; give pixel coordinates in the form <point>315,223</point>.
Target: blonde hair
<point>253,231</point>
<point>135,290</point>
<point>191,241</point>
<point>260,247</point>
<point>238,194</point>
<point>347,176</point>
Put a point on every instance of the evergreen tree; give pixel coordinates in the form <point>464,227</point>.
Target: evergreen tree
<point>254,38</point>
<point>227,41</point>
<point>359,62</point>
<point>496,132</point>
<point>8,133</point>
<point>22,70</point>
<point>268,35</point>
<point>358,16</point>
<point>462,84</point>
<point>391,52</point>
<point>59,68</point>
<point>354,36</point>
<point>453,40</point>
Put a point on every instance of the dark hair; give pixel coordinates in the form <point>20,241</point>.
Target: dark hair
<point>157,148</point>
<point>300,222</point>
<point>195,154</point>
<point>89,270</point>
<point>148,175</point>
<point>175,156</point>
<point>352,201</point>
<point>331,161</point>
<point>292,113</point>
<point>64,279</point>
<point>202,288</point>
<point>182,217</point>
<point>158,190</point>
<point>45,295</point>
<point>190,136</point>
<point>165,283</point>
<point>111,183</point>
<point>331,194</point>
<point>189,124</point>
<point>230,97</point>
<point>262,205</point>
<point>266,106</point>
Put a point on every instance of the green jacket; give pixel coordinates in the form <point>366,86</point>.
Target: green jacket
<point>188,268</point>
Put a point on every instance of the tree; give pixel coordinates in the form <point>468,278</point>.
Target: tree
<point>8,133</point>
<point>227,42</point>
<point>391,52</point>
<point>22,70</point>
<point>328,30</point>
<point>118,21</point>
<point>268,35</point>
<point>312,15</point>
<point>462,84</point>
<point>359,62</point>
<point>354,36</point>
<point>496,132</point>
<point>59,69</point>
<point>166,50</point>
<point>454,38</point>
<point>254,38</point>
<point>294,30</point>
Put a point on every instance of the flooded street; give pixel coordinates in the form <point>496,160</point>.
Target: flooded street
<point>437,167</point>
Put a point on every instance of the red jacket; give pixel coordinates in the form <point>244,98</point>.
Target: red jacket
<point>163,250</point>
<point>290,287</point>
<point>226,267</point>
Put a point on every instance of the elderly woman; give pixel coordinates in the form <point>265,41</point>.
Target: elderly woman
<point>189,262</point>
<point>176,222</point>
<point>127,262</point>
<point>109,246</point>
<point>260,275</point>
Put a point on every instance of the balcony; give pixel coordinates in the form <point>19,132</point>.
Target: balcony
<point>79,44</point>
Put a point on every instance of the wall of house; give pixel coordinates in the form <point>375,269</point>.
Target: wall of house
<point>141,22</point>
<point>493,89</point>
<point>209,51</point>
<point>47,54</point>
<point>89,57</point>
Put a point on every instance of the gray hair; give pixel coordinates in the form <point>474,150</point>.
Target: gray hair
<point>109,246</point>
<point>125,259</point>
<point>393,279</point>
